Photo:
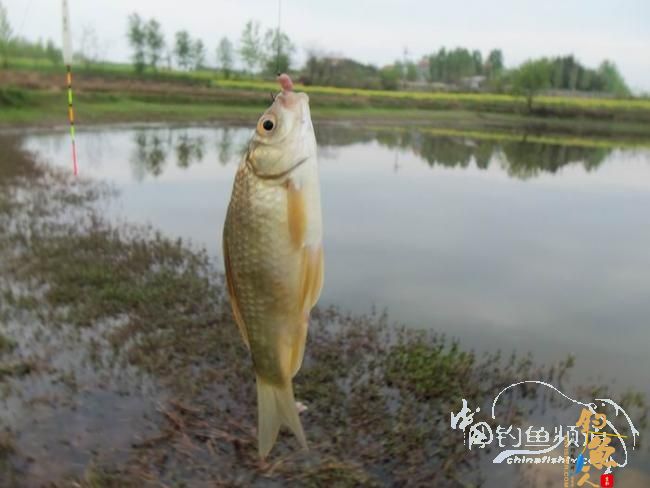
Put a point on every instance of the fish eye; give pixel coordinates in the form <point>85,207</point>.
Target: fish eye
<point>266,124</point>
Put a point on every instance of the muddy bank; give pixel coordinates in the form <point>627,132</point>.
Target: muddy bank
<point>120,365</point>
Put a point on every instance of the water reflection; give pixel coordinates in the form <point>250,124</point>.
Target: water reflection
<point>520,159</point>
<point>526,160</point>
<point>225,146</point>
<point>152,148</point>
<point>149,154</point>
<point>188,150</point>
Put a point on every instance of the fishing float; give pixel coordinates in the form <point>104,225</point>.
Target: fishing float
<point>67,60</point>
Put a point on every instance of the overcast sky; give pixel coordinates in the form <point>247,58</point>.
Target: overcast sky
<point>377,31</point>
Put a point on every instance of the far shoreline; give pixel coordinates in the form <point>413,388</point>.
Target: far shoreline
<point>40,100</point>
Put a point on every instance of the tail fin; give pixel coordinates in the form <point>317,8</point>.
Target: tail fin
<point>276,406</point>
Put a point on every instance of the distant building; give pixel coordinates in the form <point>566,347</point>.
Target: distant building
<point>473,82</point>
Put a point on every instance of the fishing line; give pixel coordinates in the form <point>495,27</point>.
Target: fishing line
<point>22,24</point>
<point>277,58</point>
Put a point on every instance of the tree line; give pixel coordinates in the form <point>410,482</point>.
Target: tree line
<point>557,73</point>
<point>11,46</point>
<point>451,66</point>
<point>565,73</point>
<point>265,53</point>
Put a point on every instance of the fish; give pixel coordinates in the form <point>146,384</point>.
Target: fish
<point>273,255</point>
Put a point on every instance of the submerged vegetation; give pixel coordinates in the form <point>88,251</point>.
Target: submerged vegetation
<point>95,313</point>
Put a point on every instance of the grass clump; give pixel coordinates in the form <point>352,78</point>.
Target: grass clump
<point>13,97</point>
<point>110,274</point>
<point>16,369</point>
<point>6,344</point>
<point>429,368</point>
<point>8,473</point>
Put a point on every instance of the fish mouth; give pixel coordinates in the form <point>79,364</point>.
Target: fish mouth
<point>272,176</point>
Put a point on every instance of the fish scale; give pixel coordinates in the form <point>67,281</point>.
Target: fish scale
<point>259,210</point>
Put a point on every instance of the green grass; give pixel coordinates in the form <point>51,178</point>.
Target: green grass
<point>16,369</point>
<point>48,109</point>
<point>110,71</point>
<point>490,98</point>
<point>6,344</point>
<point>13,97</point>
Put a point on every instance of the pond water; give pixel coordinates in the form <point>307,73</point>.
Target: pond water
<point>510,245</point>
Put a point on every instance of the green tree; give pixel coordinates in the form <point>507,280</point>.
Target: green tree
<point>452,66</point>
<point>183,50</point>
<point>612,80</point>
<point>5,35</point>
<point>250,48</point>
<point>225,56</point>
<point>390,77</point>
<point>411,71</point>
<point>586,80</point>
<point>494,63</point>
<point>531,78</point>
<point>155,42</point>
<point>568,74</point>
<point>52,53</point>
<point>314,69</point>
<point>278,50</point>
<point>198,54</point>
<point>436,65</point>
<point>137,40</point>
<point>333,71</point>
<point>557,74</point>
<point>478,62</point>
<point>465,63</point>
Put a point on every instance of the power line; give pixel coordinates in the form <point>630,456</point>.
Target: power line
<point>279,38</point>
<point>22,24</point>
